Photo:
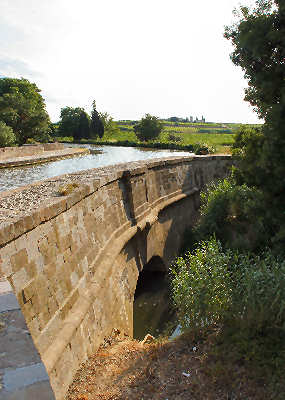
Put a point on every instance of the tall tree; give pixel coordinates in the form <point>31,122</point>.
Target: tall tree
<point>84,125</point>
<point>69,124</point>
<point>96,124</point>
<point>258,38</point>
<point>23,109</point>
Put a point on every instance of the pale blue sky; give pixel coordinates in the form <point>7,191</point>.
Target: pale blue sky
<point>157,56</point>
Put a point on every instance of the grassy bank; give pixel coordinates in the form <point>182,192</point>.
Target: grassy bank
<point>212,137</point>
<point>213,142</point>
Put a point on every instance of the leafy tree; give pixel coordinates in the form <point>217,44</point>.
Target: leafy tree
<point>96,124</point>
<point>84,125</point>
<point>259,49</point>
<point>23,109</point>
<point>110,126</point>
<point>7,136</point>
<point>54,129</point>
<point>74,121</point>
<point>148,128</point>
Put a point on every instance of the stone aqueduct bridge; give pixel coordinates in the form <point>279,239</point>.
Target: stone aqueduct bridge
<point>74,262</point>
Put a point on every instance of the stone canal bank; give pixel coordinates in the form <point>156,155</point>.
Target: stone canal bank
<point>29,155</point>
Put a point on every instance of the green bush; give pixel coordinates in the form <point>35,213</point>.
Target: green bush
<point>215,287</point>
<point>173,138</point>
<point>258,298</point>
<point>203,148</point>
<point>7,136</point>
<point>234,213</point>
<point>201,285</point>
<point>31,141</point>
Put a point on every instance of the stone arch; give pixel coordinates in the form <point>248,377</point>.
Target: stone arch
<point>151,307</point>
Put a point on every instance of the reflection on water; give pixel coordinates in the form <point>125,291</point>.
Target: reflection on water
<point>15,177</point>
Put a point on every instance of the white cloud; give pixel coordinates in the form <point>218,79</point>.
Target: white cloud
<point>157,56</point>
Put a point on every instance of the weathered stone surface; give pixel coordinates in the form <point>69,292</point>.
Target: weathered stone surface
<point>74,264</point>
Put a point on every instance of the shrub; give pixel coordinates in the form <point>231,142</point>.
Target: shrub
<point>31,141</point>
<point>7,136</point>
<point>258,298</point>
<point>203,148</point>
<point>173,138</point>
<point>201,285</point>
<point>234,213</point>
<point>211,286</point>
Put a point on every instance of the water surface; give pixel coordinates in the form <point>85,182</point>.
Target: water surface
<point>14,177</point>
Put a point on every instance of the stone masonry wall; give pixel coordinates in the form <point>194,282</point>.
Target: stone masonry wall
<point>31,150</point>
<point>73,263</point>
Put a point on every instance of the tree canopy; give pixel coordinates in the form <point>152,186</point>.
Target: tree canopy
<point>7,136</point>
<point>148,128</point>
<point>96,125</point>
<point>74,121</point>
<point>259,49</point>
<point>23,109</point>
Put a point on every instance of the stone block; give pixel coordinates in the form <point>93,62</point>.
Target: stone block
<point>7,233</point>
<point>19,260</point>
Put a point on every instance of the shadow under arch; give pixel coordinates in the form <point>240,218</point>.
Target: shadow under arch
<point>151,309</point>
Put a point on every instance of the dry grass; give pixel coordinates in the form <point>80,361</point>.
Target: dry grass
<point>183,369</point>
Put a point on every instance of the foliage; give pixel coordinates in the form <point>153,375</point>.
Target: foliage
<point>238,298</point>
<point>110,126</point>
<point>31,141</point>
<point>96,124</point>
<point>173,138</point>
<point>204,148</point>
<point>74,121</point>
<point>259,49</point>
<point>54,129</point>
<point>83,126</point>
<point>23,109</point>
<point>259,42</point>
<point>7,136</point>
<point>148,128</point>
<point>201,285</point>
<point>234,213</point>
<point>213,286</point>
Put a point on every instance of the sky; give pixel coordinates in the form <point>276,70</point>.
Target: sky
<point>166,58</point>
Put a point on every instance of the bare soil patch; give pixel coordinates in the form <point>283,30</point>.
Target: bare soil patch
<point>183,369</point>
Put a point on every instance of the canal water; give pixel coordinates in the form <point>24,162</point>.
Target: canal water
<point>14,177</point>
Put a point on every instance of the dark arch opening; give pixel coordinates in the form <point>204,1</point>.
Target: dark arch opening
<point>152,308</point>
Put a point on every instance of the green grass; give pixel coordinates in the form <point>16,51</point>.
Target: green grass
<point>217,137</point>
